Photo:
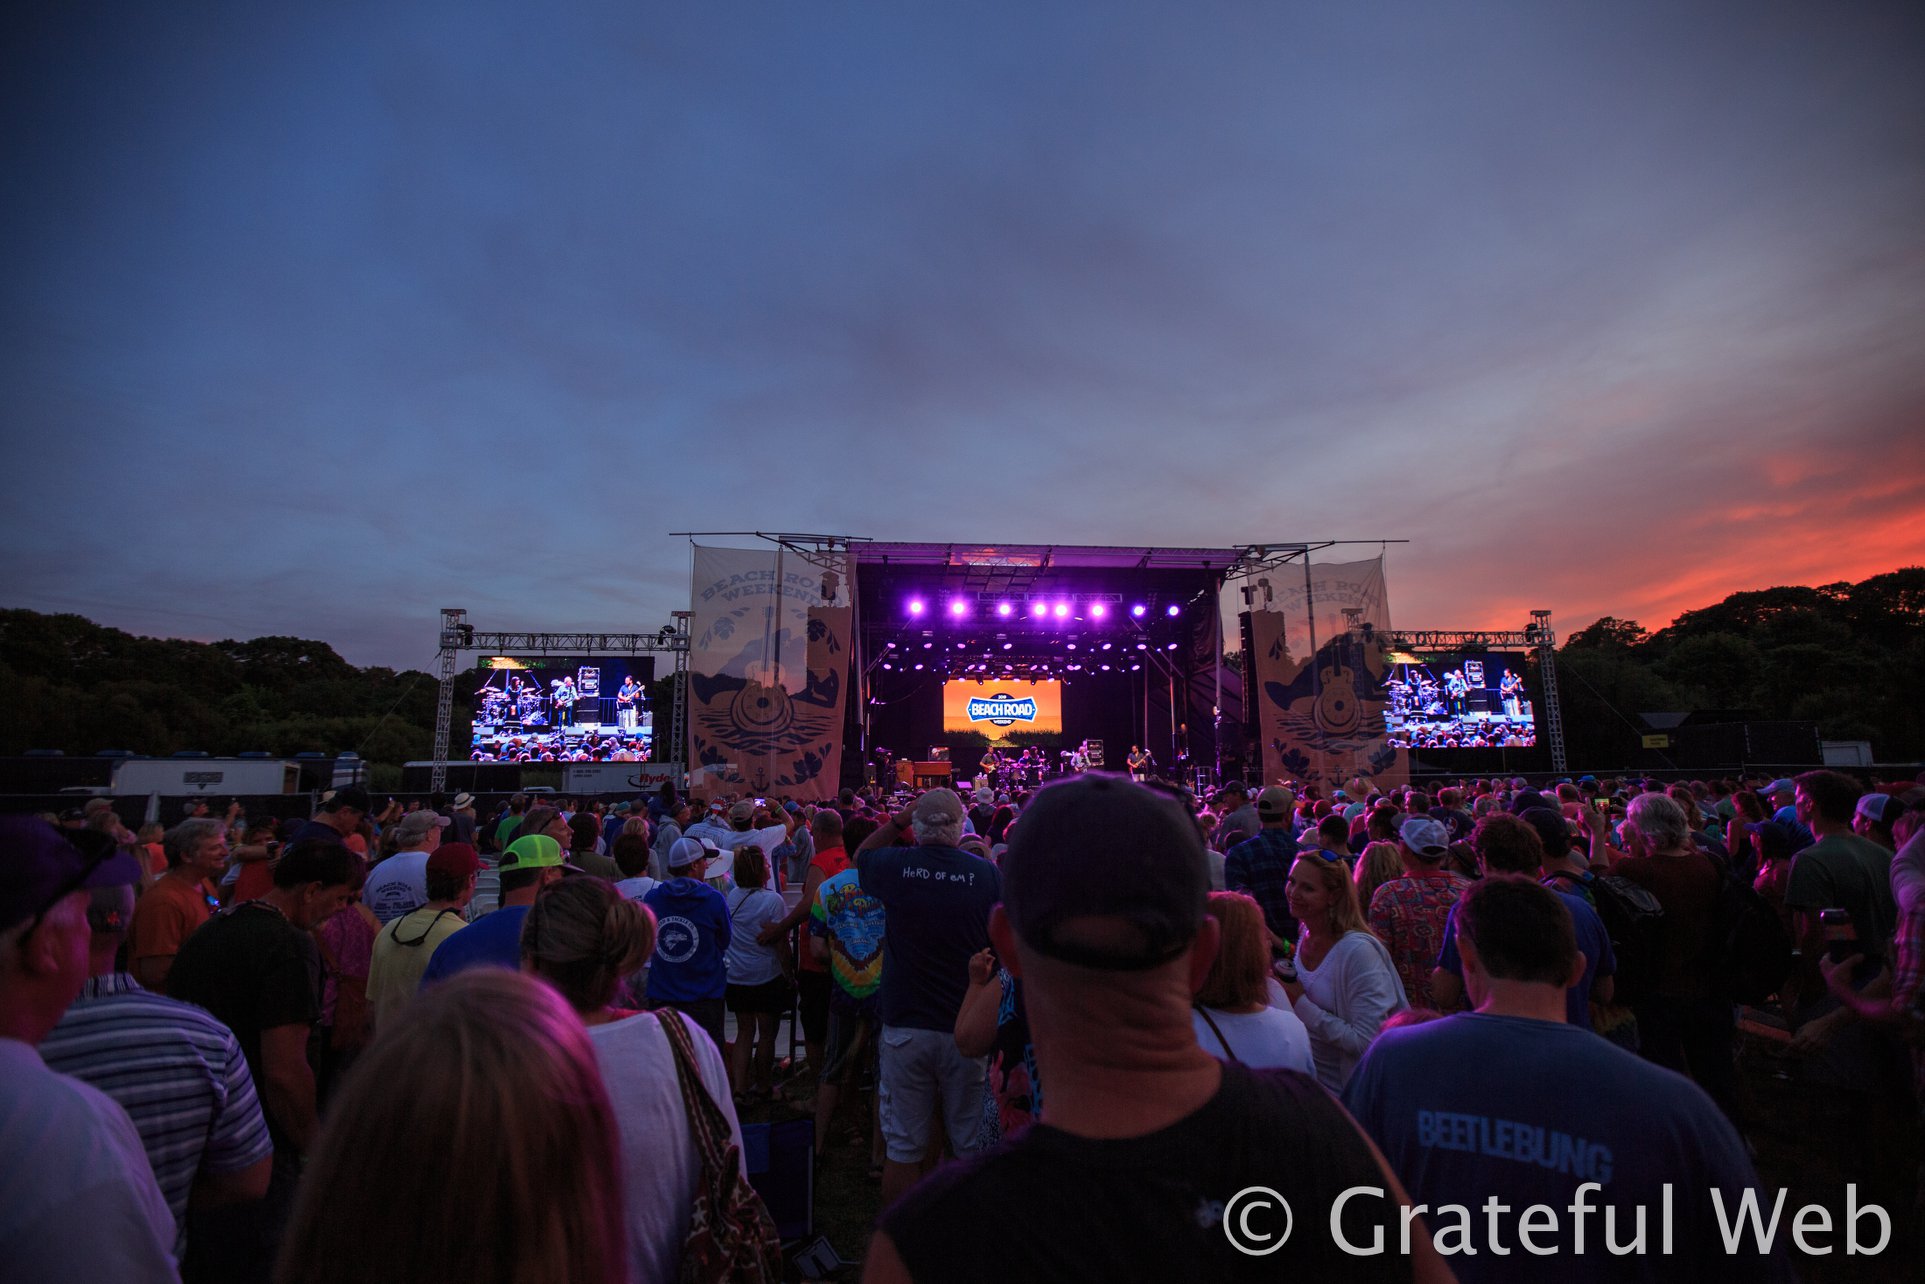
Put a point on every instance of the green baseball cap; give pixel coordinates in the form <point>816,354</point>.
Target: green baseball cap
<point>531,851</point>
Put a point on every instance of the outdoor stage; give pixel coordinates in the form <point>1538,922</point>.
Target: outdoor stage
<point>1039,647</point>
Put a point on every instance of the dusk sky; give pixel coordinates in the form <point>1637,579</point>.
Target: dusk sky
<point>321,317</point>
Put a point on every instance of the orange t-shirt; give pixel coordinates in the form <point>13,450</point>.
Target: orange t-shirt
<point>166,915</point>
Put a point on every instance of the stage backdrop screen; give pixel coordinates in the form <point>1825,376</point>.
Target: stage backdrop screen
<point>998,708</point>
<point>563,709</point>
<point>1460,700</point>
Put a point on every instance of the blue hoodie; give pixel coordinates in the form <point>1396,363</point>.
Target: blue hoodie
<point>691,941</point>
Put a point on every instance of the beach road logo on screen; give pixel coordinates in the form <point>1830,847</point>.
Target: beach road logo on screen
<point>1002,710</point>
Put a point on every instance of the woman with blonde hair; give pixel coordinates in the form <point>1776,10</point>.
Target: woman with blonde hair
<point>1341,982</point>
<point>1379,863</point>
<point>492,1079</point>
<point>1233,1017</point>
<point>583,937</point>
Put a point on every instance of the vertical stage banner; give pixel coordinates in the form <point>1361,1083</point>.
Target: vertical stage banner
<point>768,671</point>
<point>1320,718</point>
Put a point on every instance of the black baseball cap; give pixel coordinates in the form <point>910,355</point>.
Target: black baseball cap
<point>1101,847</point>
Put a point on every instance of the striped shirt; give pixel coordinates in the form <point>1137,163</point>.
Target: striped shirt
<point>177,1072</point>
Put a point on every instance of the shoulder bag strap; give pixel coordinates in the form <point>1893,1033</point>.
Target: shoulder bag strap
<point>705,1121</point>
<point>1211,1022</point>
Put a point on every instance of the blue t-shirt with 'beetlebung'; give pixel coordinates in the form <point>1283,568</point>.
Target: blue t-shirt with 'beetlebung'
<point>1473,1108</point>
<point>1593,942</point>
<point>493,940</point>
<point>691,942</point>
<point>936,901</point>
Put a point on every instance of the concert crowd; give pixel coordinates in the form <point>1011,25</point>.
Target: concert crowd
<point>1493,1029</point>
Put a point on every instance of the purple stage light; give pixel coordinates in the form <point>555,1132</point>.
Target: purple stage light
<point>919,668</point>
<point>1139,610</point>
<point>1097,610</point>
<point>1008,645</point>
<point>1038,610</point>
<point>958,608</point>
<point>917,606</point>
<point>1173,611</point>
<point>1170,647</point>
<point>1062,610</point>
<point>1005,610</point>
<point>1135,667</point>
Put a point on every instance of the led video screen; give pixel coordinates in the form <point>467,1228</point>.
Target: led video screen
<point>1460,700</point>
<point>563,709</point>
<point>998,708</point>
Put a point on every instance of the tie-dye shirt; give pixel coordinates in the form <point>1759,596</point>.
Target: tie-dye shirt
<point>852,921</point>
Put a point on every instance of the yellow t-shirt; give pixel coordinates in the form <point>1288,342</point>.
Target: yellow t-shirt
<point>401,954</point>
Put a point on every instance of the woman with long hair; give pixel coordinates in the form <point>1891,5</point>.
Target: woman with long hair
<point>490,1078</point>
<point>1379,863</point>
<point>583,937</point>
<point>1233,1017</point>
<point>1341,982</point>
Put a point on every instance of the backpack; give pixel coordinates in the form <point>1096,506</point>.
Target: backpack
<point>1634,920</point>
<point>1753,957</point>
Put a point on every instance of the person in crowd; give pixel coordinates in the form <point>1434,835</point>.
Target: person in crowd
<point>177,1071</point>
<point>1873,817</point>
<point>667,834</point>
<point>339,819</point>
<point>405,946</point>
<point>582,938</point>
<point>614,822</point>
<point>547,820</point>
<point>631,855</point>
<point>530,866</point>
<point>78,1199</point>
<point>461,818</point>
<point>1260,865</point>
<point>256,968</point>
<point>1557,1117</point>
<point>251,869</point>
<point>584,847</point>
<point>712,824</point>
<point>1782,796</point>
<point>689,969</point>
<point>937,899</point>
<point>1103,920</point>
<point>1378,864</point>
<point>346,942</point>
<point>1510,845</point>
<point>1340,981</point>
<point>812,973</point>
<point>846,929</point>
<point>759,985</point>
<point>1408,913</point>
<point>494,1079</point>
<point>1771,855</point>
<point>1234,1019</point>
<point>1684,1024</point>
<point>399,884</point>
<point>1332,837</point>
<point>509,825</point>
<point>182,899</point>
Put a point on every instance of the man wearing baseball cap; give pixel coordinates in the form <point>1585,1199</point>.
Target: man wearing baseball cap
<point>399,884</point>
<point>77,1193</point>
<point>689,971</point>
<point>936,898</point>
<point>405,946</point>
<point>1261,865</point>
<point>341,814</point>
<point>1145,1139</point>
<point>1408,913</point>
<point>531,864</point>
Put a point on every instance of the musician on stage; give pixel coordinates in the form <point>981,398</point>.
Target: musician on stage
<point>1455,691</point>
<point>627,702</point>
<point>564,702</point>
<point>1510,689</point>
<point>1079,758</point>
<point>1139,763</point>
